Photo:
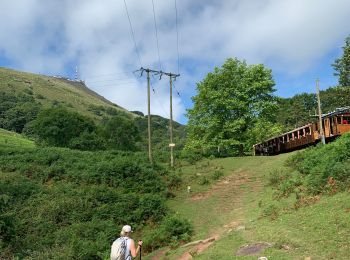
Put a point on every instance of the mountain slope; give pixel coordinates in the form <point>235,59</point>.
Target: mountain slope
<point>77,97</point>
<point>50,91</point>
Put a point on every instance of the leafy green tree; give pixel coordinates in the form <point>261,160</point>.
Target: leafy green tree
<point>295,111</point>
<point>229,102</point>
<point>17,117</point>
<point>342,65</point>
<point>120,133</point>
<point>17,110</point>
<point>58,126</point>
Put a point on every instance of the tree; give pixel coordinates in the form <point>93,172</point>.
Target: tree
<point>342,65</point>
<point>58,126</point>
<point>17,117</point>
<point>120,133</point>
<point>229,102</point>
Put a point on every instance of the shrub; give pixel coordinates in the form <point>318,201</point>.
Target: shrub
<point>173,230</point>
<point>271,211</point>
<point>216,175</point>
<point>58,126</point>
<point>203,180</point>
<point>320,163</point>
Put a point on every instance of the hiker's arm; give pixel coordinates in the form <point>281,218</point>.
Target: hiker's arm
<point>134,251</point>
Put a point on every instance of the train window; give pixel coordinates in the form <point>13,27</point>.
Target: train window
<point>290,136</point>
<point>301,132</point>
<point>346,120</point>
<point>339,119</point>
<point>307,131</point>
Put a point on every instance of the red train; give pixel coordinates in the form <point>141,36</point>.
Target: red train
<point>334,124</point>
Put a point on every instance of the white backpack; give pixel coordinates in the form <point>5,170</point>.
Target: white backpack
<point>118,249</point>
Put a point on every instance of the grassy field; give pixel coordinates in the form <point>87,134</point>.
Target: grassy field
<point>11,139</point>
<point>50,90</point>
<point>239,209</point>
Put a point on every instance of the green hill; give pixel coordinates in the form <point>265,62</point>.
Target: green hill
<point>23,95</point>
<point>74,95</point>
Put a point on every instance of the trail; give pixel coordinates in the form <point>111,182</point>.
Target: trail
<point>231,191</point>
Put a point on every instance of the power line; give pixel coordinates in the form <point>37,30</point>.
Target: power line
<point>110,74</point>
<point>156,29</point>
<point>177,41</point>
<point>132,33</point>
<point>115,85</point>
<point>112,80</point>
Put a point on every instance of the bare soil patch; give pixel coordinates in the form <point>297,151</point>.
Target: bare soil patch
<point>253,249</point>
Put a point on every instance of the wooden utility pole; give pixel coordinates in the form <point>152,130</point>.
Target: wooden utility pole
<point>171,123</point>
<point>149,118</point>
<point>319,112</point>
<point>171,145</point>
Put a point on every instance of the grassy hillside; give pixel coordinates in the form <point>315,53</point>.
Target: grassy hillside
<point>241,208</point>
<point>24,94</point>
<point>11,139</point>
<point>53,91</point>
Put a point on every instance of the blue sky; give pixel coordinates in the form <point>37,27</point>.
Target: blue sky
<point>297,39</point>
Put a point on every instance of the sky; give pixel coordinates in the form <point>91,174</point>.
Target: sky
<point>297,39</point>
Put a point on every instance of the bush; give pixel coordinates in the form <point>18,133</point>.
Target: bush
<point>203,180</point>
<point>58,126</point>
<point>320,163</point>
<point>271,211</point>
<point>216,175</point>
<point>191,156</point>
<point>173,230</point>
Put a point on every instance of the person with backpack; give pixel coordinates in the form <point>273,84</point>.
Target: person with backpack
<point>123,248</point>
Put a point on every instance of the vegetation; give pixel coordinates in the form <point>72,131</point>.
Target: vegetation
<point>11,139</point>
<point>324,169</point>
<point>342,65</point>
<point>252,199</point>
<point>230,102</point>
<point>58,203</point>
<point>301,108</point>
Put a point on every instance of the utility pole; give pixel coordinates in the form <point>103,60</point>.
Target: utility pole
<point>149,118</point>
<point>319,112</point>
<point>171,77</point>
<point>171,123</point>
<point>171,144</point>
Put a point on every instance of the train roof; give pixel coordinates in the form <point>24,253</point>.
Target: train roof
<point>337,111</point>
<point>295,129</point>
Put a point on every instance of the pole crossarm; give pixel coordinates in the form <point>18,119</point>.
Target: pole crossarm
<point>157,72</point>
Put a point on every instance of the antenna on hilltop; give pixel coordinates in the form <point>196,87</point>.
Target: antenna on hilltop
<point>76,77</point>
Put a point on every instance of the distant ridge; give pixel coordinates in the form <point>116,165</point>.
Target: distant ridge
<point>81,85</point>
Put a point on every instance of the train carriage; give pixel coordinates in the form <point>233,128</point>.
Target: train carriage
<point>334,124</point>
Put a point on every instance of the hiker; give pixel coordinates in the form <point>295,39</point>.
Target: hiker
<point>123,248</point>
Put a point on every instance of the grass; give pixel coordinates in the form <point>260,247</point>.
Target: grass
<point>48,90</point>
<point>11,139</point>
<point>319,231</point>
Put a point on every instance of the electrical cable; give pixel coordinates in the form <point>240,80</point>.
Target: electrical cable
<point>132,33</point>
<point>156,30</point>
<point>177,40</point>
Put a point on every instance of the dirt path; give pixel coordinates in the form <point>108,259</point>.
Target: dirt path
<point>231,192</point>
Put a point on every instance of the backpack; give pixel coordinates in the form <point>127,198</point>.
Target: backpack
<point>118,249</point>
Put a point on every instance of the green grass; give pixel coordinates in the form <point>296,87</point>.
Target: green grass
<point>13,140</point>
<point>320,231</point>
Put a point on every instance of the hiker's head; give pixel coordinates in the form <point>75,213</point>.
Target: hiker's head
<point>126,230</point>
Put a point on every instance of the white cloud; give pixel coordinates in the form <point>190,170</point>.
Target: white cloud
<point>52,36</point>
